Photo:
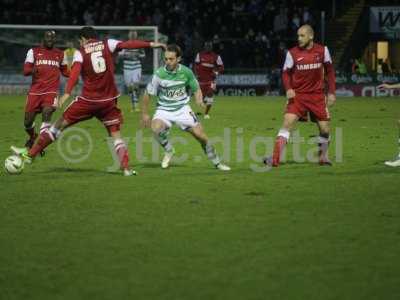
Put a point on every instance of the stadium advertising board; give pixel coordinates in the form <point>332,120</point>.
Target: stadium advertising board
<point>348,85</point>
<point>385,20</point>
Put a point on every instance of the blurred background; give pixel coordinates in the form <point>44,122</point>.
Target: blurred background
<point>251,36</point>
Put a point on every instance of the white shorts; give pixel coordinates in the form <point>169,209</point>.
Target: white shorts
<point>185,118</point>
<point>132,77</point>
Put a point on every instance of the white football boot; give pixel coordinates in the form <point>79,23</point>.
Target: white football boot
<point>393,163</point>
<point>223,167</point>
<point>129,172</point>
<point>23,153</point>
<point>167,158</point>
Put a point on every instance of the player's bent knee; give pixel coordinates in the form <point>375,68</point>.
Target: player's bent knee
<point>324,131</point>
<point>113,129</point>
<point>158,125</point>
<point>47,113</point>
<point>289,121</point>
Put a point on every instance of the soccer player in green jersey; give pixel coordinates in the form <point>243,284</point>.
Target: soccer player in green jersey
<point>172,84</point>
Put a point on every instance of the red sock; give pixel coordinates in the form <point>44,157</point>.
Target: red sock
<point>45,139</point>
<point>122,152</point>
<point>280,144</point>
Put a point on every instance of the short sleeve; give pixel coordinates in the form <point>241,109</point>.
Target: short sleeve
<point>327,56</point>
<point>65,60</point>
<point>289,63</point>
<point>112,44</point>
<point>29,57</point>
<point>77,57</point>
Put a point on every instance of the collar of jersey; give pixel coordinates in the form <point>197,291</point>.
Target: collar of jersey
<point>173,72</point>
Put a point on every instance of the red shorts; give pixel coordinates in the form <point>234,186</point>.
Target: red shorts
<point>207,88</point>
<point>36,103</point>
<point>314,105</point>
<point>106,111</point>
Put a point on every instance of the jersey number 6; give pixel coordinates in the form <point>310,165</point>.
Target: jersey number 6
<point>98,62</point>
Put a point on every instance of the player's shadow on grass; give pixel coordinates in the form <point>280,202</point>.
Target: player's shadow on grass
<point>79,171</point>
<point>154,165</point>
<point>295,163</point>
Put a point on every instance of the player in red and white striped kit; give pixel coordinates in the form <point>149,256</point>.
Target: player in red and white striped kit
<point>207,66</point>
<point>44,63</point>
<point>307,67</point>
<point>94,62</point>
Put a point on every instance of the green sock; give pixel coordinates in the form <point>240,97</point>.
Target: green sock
<point>209,150</point>
<point>162,138</point>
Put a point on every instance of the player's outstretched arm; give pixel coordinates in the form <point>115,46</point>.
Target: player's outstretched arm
<point>389,86</point>
<point>158,45</point>
<point>145,121</point>
<point>138,44</point>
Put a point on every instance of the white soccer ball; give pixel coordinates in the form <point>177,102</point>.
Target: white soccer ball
<point>14,164</point>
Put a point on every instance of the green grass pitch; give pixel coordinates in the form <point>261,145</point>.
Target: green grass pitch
<point>76,231</point>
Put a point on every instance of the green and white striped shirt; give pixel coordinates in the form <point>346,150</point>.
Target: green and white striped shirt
<point>172,88</point>
<point>132,59</point>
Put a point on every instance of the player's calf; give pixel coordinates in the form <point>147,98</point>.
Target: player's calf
<point>29,126</point>
<point>121,150</point>
<point>46,138</point>
<point>208,149</point>
<point>279,147</point>
<point>161,136</point>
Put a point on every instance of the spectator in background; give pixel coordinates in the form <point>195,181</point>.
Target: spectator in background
<point>349,66</point>
<point>232,20</point>
<point>361,68</point>
<point>88,17</point>
<point>307,18</point>
<point>157,17</point>
<point>280,23</point>
<point>295,22</point>
<point>386,67</point>
<point>379,69</point>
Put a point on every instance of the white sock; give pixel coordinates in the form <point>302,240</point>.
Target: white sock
<point>44,127</point>
<point>284,133</point>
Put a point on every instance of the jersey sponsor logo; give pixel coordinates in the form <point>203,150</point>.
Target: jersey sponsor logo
<point>174,93</point>
<point>207,65</point>
<point>300,58</point>
<point>47,62</point>
<point>94,47</point>
<point>304,67</point>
